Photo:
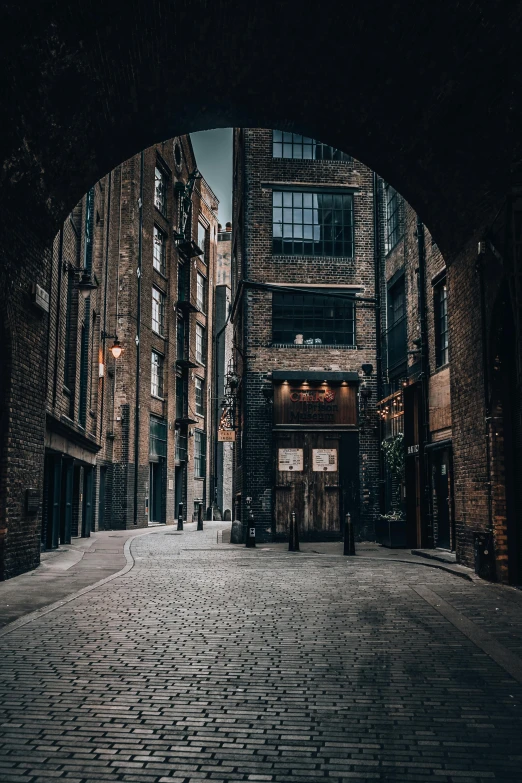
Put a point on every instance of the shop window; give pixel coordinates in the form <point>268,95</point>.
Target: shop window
<point>312,224</point>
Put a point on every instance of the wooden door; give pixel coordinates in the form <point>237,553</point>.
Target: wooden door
<point>307,482</point>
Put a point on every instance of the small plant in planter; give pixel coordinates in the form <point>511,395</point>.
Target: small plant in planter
<point>391,530</point>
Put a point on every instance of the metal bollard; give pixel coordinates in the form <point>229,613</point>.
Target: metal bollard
<point>349,543</point>
<point>180,516</point>
<point>200,516</point>
<point>293,541</point>
<point>251,526</point>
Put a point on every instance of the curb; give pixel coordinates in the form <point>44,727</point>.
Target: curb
<point>29,618</point>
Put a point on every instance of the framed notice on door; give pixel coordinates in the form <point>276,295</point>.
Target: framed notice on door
<point>290,460</point>
<point>324,460</point>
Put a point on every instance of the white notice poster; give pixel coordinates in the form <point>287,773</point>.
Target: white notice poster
<point>290,460</point>
<point>324,459</point>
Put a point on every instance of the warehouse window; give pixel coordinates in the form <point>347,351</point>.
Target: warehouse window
<point>156,375</point>
<point>157,437</point>
<point>202,239</point>
<point>293,145</point>
<point>158,311</point>
<point>200,454</point>
<point>313,224</point>
<point>160,190</point>
<point>199,396</point>
<point>159,257</point>
<point>396,334</point>
<point>200,291</point>
<point>393,221</point>
<point>440,297</point>
<point>200,344</point>
<point>312,319</point>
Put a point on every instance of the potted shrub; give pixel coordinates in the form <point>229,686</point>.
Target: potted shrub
<point>391,527</point>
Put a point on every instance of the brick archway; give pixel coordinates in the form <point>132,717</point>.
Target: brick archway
<point>429,100</point>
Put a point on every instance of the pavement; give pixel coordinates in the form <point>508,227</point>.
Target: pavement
<point>200,660</point>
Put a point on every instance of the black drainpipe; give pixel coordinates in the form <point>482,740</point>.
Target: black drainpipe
<point>104,327</point>
<point>377,294</point>
<point>424,378</point>
<point>138,330</point>
<point>485,373</point>
<point>58,315</point>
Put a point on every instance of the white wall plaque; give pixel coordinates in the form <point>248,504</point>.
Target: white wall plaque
<point>290,460</point>
<point>324,460</point>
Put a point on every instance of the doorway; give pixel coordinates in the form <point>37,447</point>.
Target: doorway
<point>315,478</point>
<point>156,514</point>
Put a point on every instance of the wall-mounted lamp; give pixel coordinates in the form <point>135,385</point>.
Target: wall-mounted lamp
<point>116,348</point>
<point>86,285</point>
<point>268,392</point>
<point>367,369</point>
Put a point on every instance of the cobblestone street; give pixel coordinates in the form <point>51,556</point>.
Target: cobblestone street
<point>208,661</point>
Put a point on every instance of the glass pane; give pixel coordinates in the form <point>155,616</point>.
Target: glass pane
<point>277,135</point>
<point>287,199</point>
<point>277,198</point>
<point>278,151</point>
<point>287,150</point>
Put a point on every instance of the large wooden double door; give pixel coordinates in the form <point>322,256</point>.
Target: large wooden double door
<point>315,477</point>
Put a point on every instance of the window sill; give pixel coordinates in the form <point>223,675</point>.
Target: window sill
<point>158,334</point>
<point>441,367</point>
<point>316,345</point>
<point>161,274</point>
<point>155,397</point>
<point>312,258</point>
<point>158,210</point>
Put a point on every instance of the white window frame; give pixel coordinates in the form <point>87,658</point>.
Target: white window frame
<point>158,311</point>
<point>200,343</point>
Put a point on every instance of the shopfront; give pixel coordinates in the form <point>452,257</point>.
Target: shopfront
<point>316,452</point>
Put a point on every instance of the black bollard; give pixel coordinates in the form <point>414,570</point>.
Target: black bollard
<point>200,516</point>
<point>293,540</point>
<point>251,526</point>
<point>349,543</point>
<point>180,516</point>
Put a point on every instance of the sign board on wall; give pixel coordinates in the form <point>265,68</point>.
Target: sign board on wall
<point>227,436</point>
<point>324,460</point>
<point>315,404</point>
<point>290,460</point>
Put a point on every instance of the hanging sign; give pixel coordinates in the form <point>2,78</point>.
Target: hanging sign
<point>290,460</point>
<point>227,436</point>
<point>324,460</point>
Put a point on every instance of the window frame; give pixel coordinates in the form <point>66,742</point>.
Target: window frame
<point>200,343</point>
<point>393,224</point>
<point>441,323</point>
<point>160,195</point>
<point>157,382</point>
<point>159,263</point>
<point>294,207</point>
<point>200,454</point>
<point>160,312</point>
<point>153,438</point>
<point>287,312</point>
<point>206,229</point>
<point>201,302</point>
<point>199,395</point>
<point>298,145</point>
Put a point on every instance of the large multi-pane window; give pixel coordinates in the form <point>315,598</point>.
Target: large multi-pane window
<point>156,374</point>
<point>200,291</point>
<point>158,311</point>
<point>157,437</point>
<point>393,217</point>
<point>312,224</point>
<point>202,239</point>
<point>199,396</point>
<point>200,454</point>
<point>200,344</point>
<point>160,190</point>
<point>312,319</point>
<point>396,335</point>
<point>440,295</point>
<point>293,145</point>
<point>160,246</point>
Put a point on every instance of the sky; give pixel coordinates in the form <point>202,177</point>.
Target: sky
<point>213,150</point>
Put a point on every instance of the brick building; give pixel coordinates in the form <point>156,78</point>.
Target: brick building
<point>303,278</point>
<point>416,405</point>
<point>223,358</point>
<point>127,438</point>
